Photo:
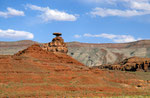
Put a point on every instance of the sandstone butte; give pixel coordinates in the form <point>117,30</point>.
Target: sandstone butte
<point>36,72</point>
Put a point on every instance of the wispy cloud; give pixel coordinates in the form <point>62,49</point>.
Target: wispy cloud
<point>48,14</point>
<point>14,34</point>
<point>98,1</point>
<point>111,1</point>
<point>140,5</point>
<point>115,12</point>
<point>77,36</point>
<point>131,8</point>
<point>11,12</point>
<point>114,38</point>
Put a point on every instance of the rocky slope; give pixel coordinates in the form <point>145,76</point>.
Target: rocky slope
<point>91,54</point>
<point>34,72</point>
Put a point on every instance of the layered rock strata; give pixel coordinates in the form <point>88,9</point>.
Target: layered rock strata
<point>131,64</point>
<point>57,45</point>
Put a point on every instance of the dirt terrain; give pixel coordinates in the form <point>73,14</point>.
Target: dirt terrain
<point>34,72</point>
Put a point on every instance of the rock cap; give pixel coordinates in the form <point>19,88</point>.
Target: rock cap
<point>57,34</point>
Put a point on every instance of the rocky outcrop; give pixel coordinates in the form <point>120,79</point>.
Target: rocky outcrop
<point>131,64</point>
<point>57,45</point>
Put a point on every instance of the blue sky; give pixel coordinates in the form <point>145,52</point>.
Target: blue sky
<point>90,21</point>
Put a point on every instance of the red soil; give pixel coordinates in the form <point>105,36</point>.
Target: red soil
<point>34,72</point>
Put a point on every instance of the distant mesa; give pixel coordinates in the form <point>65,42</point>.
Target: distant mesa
<point>57,45</point>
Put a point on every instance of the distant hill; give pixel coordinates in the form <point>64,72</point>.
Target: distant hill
<point>90,54</point>
<point>108,53</point>
<point>10,48</point>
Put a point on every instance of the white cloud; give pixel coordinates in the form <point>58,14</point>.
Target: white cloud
<point>99,1</point>
<point>13,34</point>
<point>104,35</point>
<point>111,1</point>
<point>140,5</point>
<point>114,38</point>
<point>48,14</point>
<point>131,8</point>
<point>124,38</point>
<point>115,12</point>
<point>93,1</point>
<point>11,12</point>
<point>77,36</point>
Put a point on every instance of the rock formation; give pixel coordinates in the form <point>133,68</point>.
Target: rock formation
<point>36,73</point>
<point>131,64</point>
<point>57,45</point>
<point>88,53</point>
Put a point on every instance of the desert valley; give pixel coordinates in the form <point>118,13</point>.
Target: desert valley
<point>32,69</point>
<point>74,48</point>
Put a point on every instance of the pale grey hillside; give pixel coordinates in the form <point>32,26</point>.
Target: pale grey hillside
<point>99,54</point>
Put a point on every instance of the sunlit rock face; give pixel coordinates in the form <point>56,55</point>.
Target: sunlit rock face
<point>130,64</point>
<point>57,45</point>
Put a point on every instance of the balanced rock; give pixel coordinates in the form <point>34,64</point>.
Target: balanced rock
<point>57,44</point>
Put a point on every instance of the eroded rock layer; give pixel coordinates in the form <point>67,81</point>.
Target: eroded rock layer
<point>57,44</point>
<point>131,64</point>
